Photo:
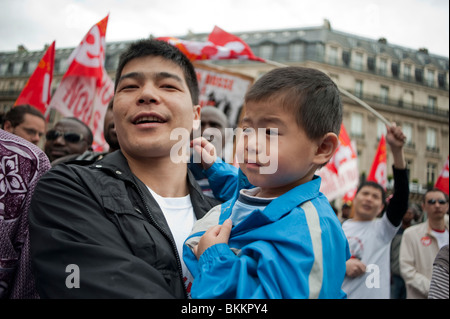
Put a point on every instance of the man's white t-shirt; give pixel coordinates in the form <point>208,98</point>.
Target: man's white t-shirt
<point>370,242</point>
<point>180,217</point>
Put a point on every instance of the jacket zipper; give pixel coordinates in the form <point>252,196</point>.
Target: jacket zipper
<point>174,246</point>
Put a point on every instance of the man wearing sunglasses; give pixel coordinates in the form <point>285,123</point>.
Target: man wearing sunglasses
<point>68,136</point>
<point>421,243</point>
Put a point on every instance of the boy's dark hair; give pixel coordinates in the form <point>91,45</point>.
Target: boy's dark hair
<point>17,114</point>
<point>310,93</point>
<point>374,185</point>
<point>157,48</point>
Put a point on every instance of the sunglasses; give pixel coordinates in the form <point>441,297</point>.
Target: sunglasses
<point>433,201</point>
<point>70,137</point>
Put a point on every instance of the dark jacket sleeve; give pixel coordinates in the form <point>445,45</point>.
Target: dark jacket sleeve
<point>398,204</point>
<point>77,250</point>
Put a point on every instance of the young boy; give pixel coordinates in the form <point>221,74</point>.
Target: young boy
<point>280,239</point>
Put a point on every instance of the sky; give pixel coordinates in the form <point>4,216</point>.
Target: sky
<point>409,23</point>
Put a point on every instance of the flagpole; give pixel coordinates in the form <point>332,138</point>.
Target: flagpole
<point>346,93</point>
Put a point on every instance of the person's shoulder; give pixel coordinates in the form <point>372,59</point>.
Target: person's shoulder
<point>413,230</point>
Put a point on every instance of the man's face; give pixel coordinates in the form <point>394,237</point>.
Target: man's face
<point>57,145</point>
<point>435,205</point>
<point>368,203</point>
<point>151,100</point>
<point>32,128</point>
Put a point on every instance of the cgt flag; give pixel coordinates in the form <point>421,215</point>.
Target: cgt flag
<point>378,172</point>
<point>340,175</point>
<point>220,46</point>
<point>86,89</point>
<point>443,179</point>
<point>239,49</point>
<point>37,90</point>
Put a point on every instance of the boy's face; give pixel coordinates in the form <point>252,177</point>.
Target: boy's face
<point>293,153</point>
<point>151,100</point>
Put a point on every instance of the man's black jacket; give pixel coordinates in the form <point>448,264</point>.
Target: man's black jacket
<point>99,226</point>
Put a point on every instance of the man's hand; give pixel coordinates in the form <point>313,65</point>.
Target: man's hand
<point>396,140</point>
<point>215,235</point>
<point>206,150</point>
<point>354,268</point>
<point>395,137</point>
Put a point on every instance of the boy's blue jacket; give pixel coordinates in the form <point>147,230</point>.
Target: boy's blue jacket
<point>294,248</point>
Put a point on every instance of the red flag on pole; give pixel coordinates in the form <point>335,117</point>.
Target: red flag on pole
<point>340,175</point>
<point>220,46</point>
<point>86,89</point>
<point>378,172</point>
<point>37,90</point>
<point>240,49</point>
<point>443,179</point>
<point>196,50</point>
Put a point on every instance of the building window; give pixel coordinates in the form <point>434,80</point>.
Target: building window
<point>407,129</point>
<point>356,125</point>
<point>333,55</point>
<point>407,72</point>
<point>359,88</point>
<point>358,61</point>
<point>382,67</point>
<point>266,51</point>
<point>432,103</point>
<point>431,173</point>
<point>430,78</point>
<point>431,140</point>
<point>295,51</point>
<point>384,94</point>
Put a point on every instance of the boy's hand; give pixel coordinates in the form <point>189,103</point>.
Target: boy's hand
<point>206,150</point>
<point>215,235</point>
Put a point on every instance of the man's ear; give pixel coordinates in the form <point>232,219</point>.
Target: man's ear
<point>326,148</point>
<point>196,110</point>
<point>7,126</point>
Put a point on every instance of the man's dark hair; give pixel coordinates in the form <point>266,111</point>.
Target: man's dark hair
<point>310,93</point>
<point>157,48</point>
<point>17,114</point>
<point>434,189</point>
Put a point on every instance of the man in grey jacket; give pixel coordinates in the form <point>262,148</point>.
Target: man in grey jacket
<point>114,228</point>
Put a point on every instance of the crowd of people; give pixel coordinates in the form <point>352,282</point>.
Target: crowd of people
<point>133,223</point>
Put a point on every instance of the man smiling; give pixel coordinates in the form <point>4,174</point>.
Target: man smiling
<point>118,225</point>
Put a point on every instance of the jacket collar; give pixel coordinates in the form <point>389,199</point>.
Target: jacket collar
<point>117,164</point>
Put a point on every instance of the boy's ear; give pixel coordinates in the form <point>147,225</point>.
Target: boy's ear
<point>326,148</point>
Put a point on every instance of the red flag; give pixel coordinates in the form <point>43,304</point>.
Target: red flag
<point>239,49</point>
<point>37,90</point>
<point>196,50</point>
<point>86,89</point>
<point>378,172</point>
<point>340,175</point>
<point>442,181</point>
<point>345,152</point>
